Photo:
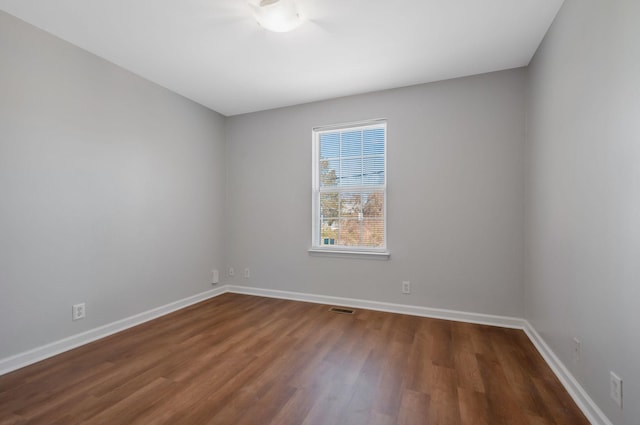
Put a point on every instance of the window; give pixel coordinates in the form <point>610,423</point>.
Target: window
<point>350,188</point>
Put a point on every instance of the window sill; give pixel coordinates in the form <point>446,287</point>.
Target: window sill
<point>382,255</point>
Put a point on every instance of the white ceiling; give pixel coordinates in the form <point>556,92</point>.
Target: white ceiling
<point>213,51</point>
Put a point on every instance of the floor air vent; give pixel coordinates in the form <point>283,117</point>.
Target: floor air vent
<point>342,310</point>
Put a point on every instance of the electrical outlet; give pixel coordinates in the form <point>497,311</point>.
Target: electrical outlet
<point>406,287</point>
<point>615,389</point>
<point>215,276</point>
<point>247,273</point>
<point>232,272</point>
<point>577,350</point>
<point>78,311</point>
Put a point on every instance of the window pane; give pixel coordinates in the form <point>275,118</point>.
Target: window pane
<point>349,232</point>
<point>329,169</point>
<point>373,204</point>
<point>351,172</point>
<point>373,171</point>
<point>329,145</point>
<point>329,232</point>
<point>329,205</point>
<point>350,204</point>
<point>373,232</point>
<point>374,141</point>
<point>351,143</point>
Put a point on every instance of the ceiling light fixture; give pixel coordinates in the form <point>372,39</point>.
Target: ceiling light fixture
<point>277,15</point>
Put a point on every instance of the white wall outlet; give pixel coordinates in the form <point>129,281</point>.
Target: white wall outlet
<point>406,287</point>
<point>616,389</point>
<point>78,311</point>
<point>215,276</point>
<point>247,273</point>
<point>576,350</point>
<point>232,272</point>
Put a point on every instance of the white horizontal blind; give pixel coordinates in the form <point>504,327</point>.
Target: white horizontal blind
<point>350,187</point>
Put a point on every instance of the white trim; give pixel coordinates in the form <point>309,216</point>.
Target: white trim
<point>333,127</point>
<point>436,313</point>
<point>378,255</point>
<point>573,387</point>
<point>570,383</point>
<point>37,354</point>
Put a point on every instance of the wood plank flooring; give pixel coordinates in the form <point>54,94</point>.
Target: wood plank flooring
<point>239,359</point>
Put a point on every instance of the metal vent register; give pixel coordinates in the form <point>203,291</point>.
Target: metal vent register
<point>342,310</point>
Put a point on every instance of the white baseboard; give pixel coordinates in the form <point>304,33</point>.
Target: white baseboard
<point>436,313</point>
<point>570,383</point>
<point>26,358</point>
<point>573,387</point>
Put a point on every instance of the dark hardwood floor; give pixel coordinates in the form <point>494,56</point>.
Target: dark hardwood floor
<point>239,359</point>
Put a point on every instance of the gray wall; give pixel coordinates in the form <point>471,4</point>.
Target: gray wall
<point>111,190</point>
<point>455,196</point>
<point>583,225</point>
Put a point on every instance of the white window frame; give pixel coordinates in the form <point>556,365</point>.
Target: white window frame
<point>316,246</point>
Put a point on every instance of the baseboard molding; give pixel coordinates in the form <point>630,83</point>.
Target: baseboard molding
<point>573,387</point>
<point>436,313</point>
<point>26,358</point>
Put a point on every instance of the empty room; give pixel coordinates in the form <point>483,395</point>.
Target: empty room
<point>320,212</point>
